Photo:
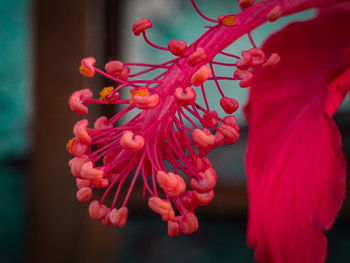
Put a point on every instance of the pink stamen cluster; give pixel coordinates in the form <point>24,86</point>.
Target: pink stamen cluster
<point>156,145</point>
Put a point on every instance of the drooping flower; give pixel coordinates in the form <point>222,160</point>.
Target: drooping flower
<point>158,146</point>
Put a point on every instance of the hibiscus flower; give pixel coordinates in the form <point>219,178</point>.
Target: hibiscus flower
<point>295,166</point>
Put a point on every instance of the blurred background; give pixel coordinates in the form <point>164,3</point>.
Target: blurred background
<point>42,43</point>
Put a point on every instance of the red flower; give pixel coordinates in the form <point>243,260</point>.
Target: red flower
<point>295,165</point>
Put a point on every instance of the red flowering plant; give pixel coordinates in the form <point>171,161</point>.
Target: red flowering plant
<point>295,166</point>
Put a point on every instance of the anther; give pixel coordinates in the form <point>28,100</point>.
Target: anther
<point>202,139</point>
<point>273,60</point>
<point>76,101</point>
<point>173,229</point>
<point>100,183</point>
<point>105,95</point>
<point>124,74</point>
<point>76,148</point>
<point>97,211</point>
<point>246,77</point>
<point>101,123</point>
<point>146,102</point>
<point>246,60</point>
<point>162,207</point>
<point>227,20</point>
<point>81,133</point>
<point>245,3</point>
<point>201,164</point>
<point>231,121</point>
<point>84,194</point>
<point>118,217</point>
<point>197,57</point>
<point>185,96</point>
<point>188,223</point>
<point>188,201</point>
<point>82,183</point>
<point>87,67</point>
<point>230,133</point>
<point>274,14</point>
<point>209,118</point>
<point>229,105</point>
<point>141,25</point>
<point>219,139</point>
<point>201,75</point>
<point>131,143</point>
<point>203,199</point>
<point>207,181</point>
<point>258,57</point>
<point>76,163</point>
<point>87,171</point>
<point>177,48</point>
<point>114,68</point>
<point>172,184</point>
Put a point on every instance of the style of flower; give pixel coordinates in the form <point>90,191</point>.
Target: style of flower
<point>294,162</point>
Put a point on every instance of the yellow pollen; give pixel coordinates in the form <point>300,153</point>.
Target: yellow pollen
<point>105,92</point>
<point>85,71</point>
<point>140,92</point>
<point>229,20</point>
<point>69,144</point>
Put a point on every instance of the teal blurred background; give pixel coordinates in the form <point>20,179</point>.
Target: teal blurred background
<point>41,44</point>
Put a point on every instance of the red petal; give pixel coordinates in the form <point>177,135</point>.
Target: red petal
<point>295,165</point>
